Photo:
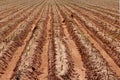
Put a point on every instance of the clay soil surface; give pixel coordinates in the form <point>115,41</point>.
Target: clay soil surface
<point>59,40</point>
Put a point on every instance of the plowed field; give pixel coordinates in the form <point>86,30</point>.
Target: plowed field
<point>59,40</point>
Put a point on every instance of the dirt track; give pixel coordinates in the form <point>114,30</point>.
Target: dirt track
<point>58,40</point>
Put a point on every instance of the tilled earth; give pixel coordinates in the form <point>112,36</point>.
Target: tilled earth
<point>58,40</point>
